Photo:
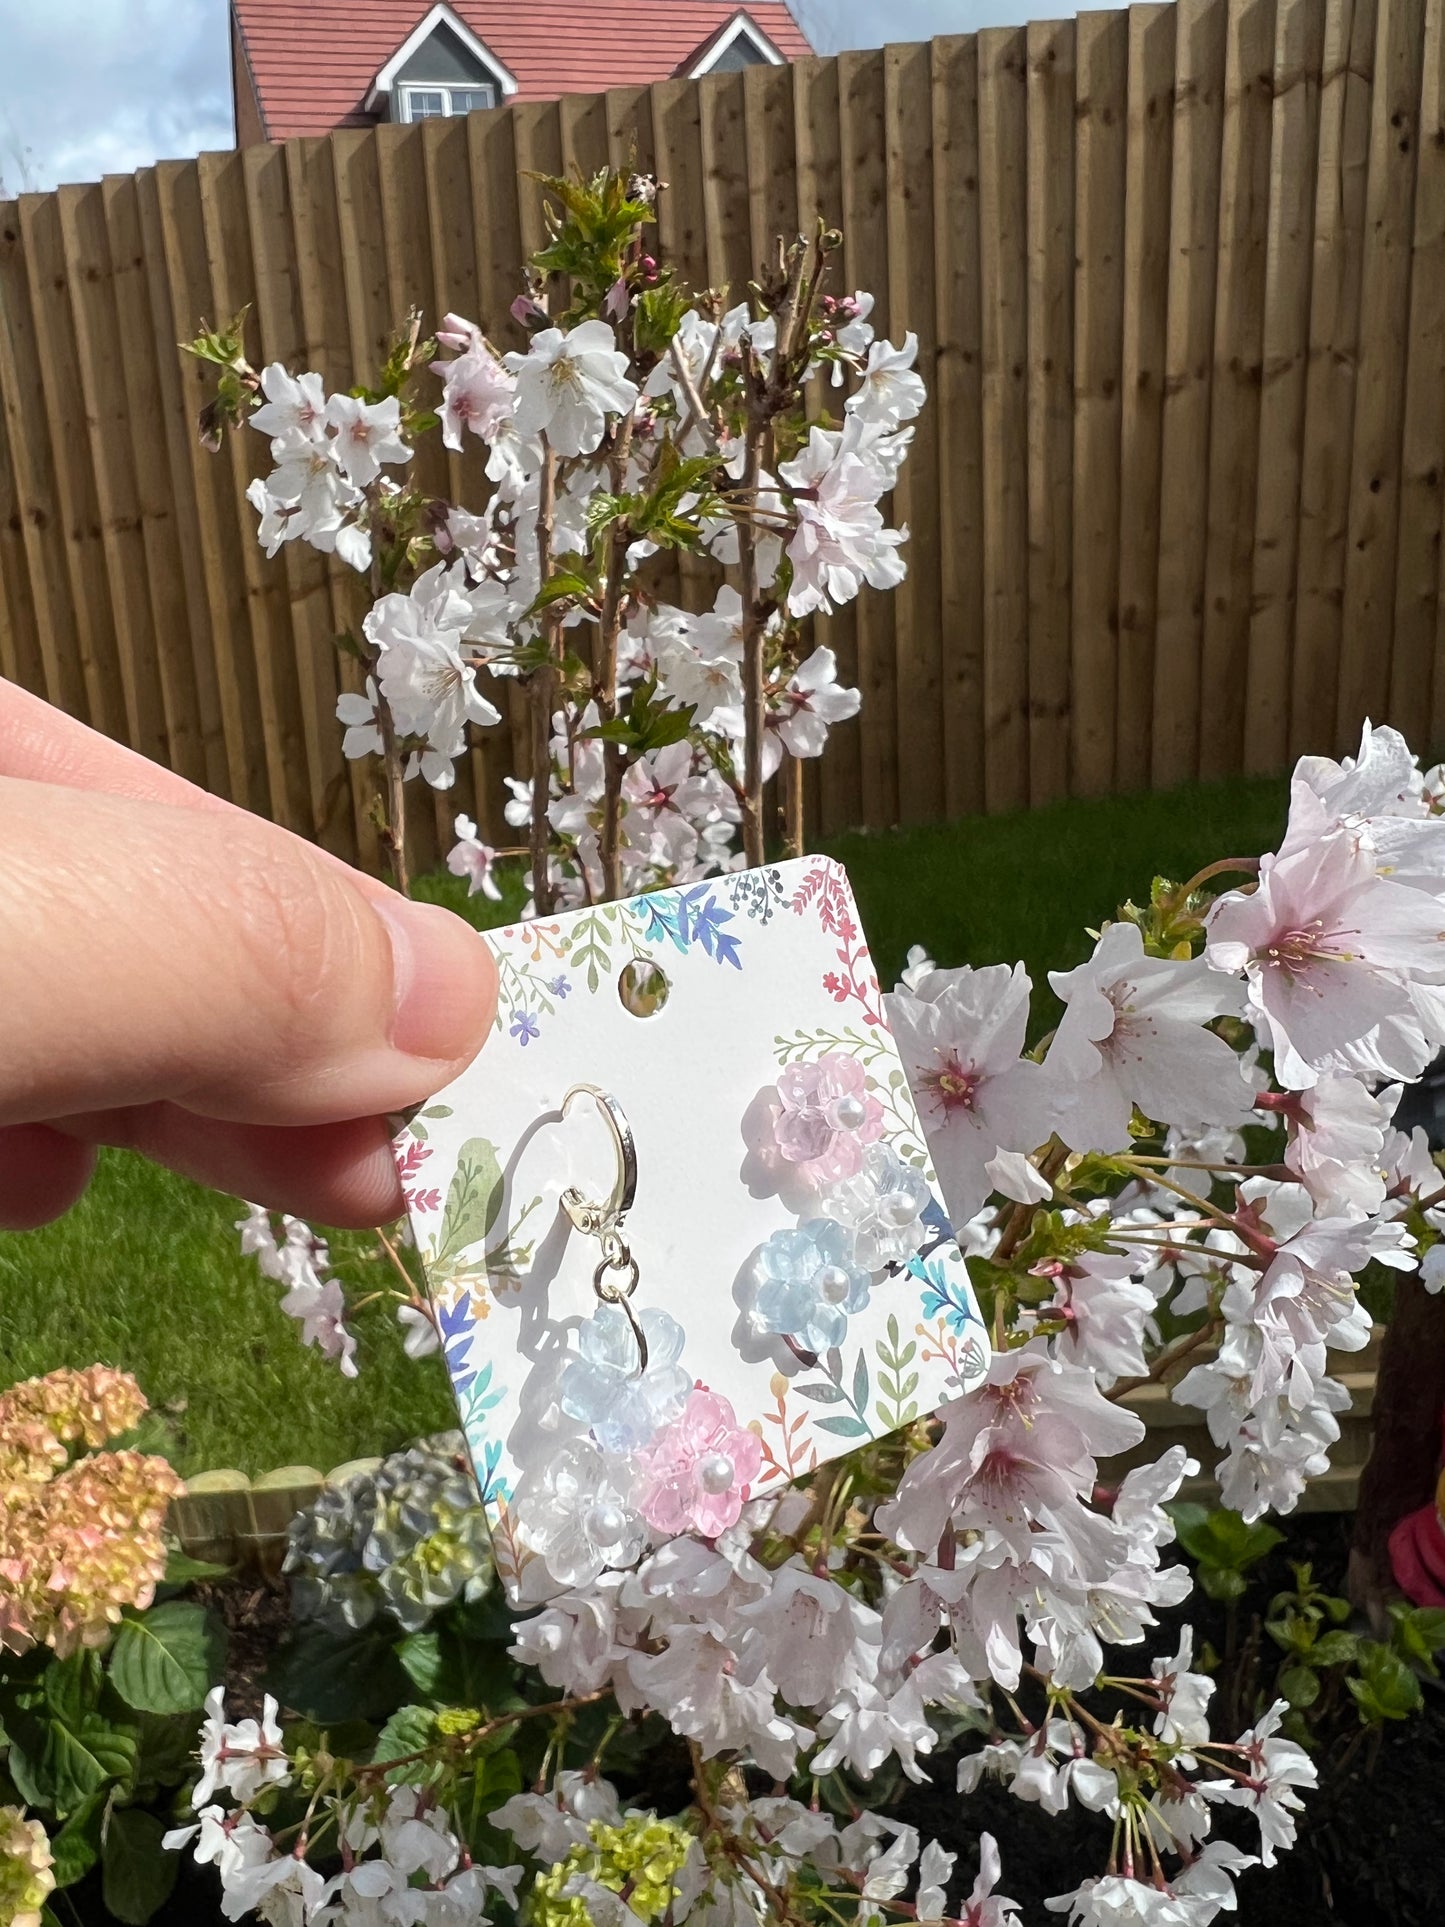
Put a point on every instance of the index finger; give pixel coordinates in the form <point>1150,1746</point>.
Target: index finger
<point>43,745</point>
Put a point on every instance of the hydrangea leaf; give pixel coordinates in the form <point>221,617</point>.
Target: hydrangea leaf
<point>167,1660</point>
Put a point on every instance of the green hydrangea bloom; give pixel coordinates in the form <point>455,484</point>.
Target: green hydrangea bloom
<point>25,1862</point>
<point>407,1539</point>
<point>639,1859</point>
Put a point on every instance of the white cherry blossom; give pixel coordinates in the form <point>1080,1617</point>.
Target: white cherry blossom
<point>367,436</point>
<point>1133,1033</point>
<point>568,383</point>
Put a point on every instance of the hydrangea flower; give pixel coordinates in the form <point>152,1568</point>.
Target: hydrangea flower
<point>25,1869</point>
<point>604,1388</point>
<point>408,1539</point>
<point>882,1205</point>
<point>695,1474</point>
<point>827,1118</point>
<point>808,1283</point>
<point>580,1518</point>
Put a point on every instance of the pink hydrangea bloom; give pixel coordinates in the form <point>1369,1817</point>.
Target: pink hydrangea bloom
<point>827,1117</point>
<point>695,1474</point>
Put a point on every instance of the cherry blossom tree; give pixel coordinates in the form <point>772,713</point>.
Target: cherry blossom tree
<point>1181,1184</point>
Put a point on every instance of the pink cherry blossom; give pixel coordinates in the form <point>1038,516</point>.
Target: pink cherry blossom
<point>477,394</point>
<point>827,1117</point>
<point>1331,951</point>
<point>695,1474</point>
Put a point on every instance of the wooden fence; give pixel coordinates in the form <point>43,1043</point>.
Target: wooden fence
<point>1178,279</point>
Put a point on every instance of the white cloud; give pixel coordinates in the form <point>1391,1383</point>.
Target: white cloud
<point>92,87</point>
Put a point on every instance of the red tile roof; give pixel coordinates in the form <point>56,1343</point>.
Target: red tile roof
<point>313,63</point>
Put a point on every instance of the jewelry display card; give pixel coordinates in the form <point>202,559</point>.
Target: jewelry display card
<point>782,1286</point>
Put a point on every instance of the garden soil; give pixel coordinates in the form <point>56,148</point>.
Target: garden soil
<point>1371,1851</point>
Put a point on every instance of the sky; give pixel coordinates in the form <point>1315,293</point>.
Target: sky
<point>92,87</point>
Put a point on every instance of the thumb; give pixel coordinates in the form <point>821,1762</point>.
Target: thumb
<point>152,952</point>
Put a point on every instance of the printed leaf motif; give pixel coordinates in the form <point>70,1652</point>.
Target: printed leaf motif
<point>592,946</point>
<point>473,1201</point>
<point>844,1427</point>
<point>860,1383</point>
<point>894,1359</point>
<point>825,1394</point>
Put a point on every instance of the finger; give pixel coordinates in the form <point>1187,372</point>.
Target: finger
<point>41,744</point>
<point>149,954</point>
<point>42,1173</point>
<point>44,745</point>
<point>340,1174</point>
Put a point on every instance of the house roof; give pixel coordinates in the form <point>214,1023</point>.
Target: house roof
<point>313,65</point>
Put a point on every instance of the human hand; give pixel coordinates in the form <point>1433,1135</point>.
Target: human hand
<point>182,978</point>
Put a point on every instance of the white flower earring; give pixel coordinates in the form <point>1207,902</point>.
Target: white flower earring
<point>604,1221</point>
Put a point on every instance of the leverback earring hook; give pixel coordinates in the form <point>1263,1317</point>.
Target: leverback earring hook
<point>604,1221</point>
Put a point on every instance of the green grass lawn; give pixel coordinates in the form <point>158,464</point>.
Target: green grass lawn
<point>145,1273</point>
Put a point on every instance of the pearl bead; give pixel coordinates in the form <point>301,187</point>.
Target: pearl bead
<point>833,1283</point>
<point>715,1473</point>
<point>605,1523</point>
<point>897,1208</point>
<point>847,1113</point>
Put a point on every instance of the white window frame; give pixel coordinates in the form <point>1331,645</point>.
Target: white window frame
<point>742,26</point>
<point>440,15</point>
<point>446,89</point>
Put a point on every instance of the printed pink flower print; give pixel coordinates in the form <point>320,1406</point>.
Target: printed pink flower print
<point>695,1474</point>
<point>827,1118</point>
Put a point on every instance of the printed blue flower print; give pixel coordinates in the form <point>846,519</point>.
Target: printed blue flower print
<point>524,1027</point>
<point>808,1284</point>
<point>604,1390</point>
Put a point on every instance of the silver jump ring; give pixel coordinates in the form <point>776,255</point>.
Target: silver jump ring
<point>604,1221</point>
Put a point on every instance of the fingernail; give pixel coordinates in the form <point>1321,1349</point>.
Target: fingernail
<point>443,980</point>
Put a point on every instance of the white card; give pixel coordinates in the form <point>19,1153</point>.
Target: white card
<point>797,1281</point>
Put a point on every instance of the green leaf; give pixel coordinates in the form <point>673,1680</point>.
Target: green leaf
<point>183,1570</point>
<point>1215,1536</point>
<point>72,1686</point>
<point>79,1760</point>
<point>1387,1689</point>
<point>138,1873</point>
<point>167,1660</point>
<point>1220,1582</point>
<point>1300,1686</point>
<point>421,1658</point>
<point>826,1393</point>
<point>408,1730</point>
<point>77,1845</point>
<point>497,1776</point>
<point>330,1677</point>
<point>473,1200</point>
<point>1334,1649</point>
<point>844,1428</point>
<point>166,1745</point>
<point>1418,1634</point>
<point>562,586</point>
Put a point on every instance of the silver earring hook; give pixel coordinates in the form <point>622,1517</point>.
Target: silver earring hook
<point>604,1221</point>
<point>587,1216</point>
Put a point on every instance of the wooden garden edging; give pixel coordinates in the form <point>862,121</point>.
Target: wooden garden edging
<point>1177,276</point>
<point>236,1521</point>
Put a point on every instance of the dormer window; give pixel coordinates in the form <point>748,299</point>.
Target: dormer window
<point>741,43</point>
<point>435,103</point>
<point>440,69</point>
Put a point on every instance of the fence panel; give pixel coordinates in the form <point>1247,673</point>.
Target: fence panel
<point>1177,279</point>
